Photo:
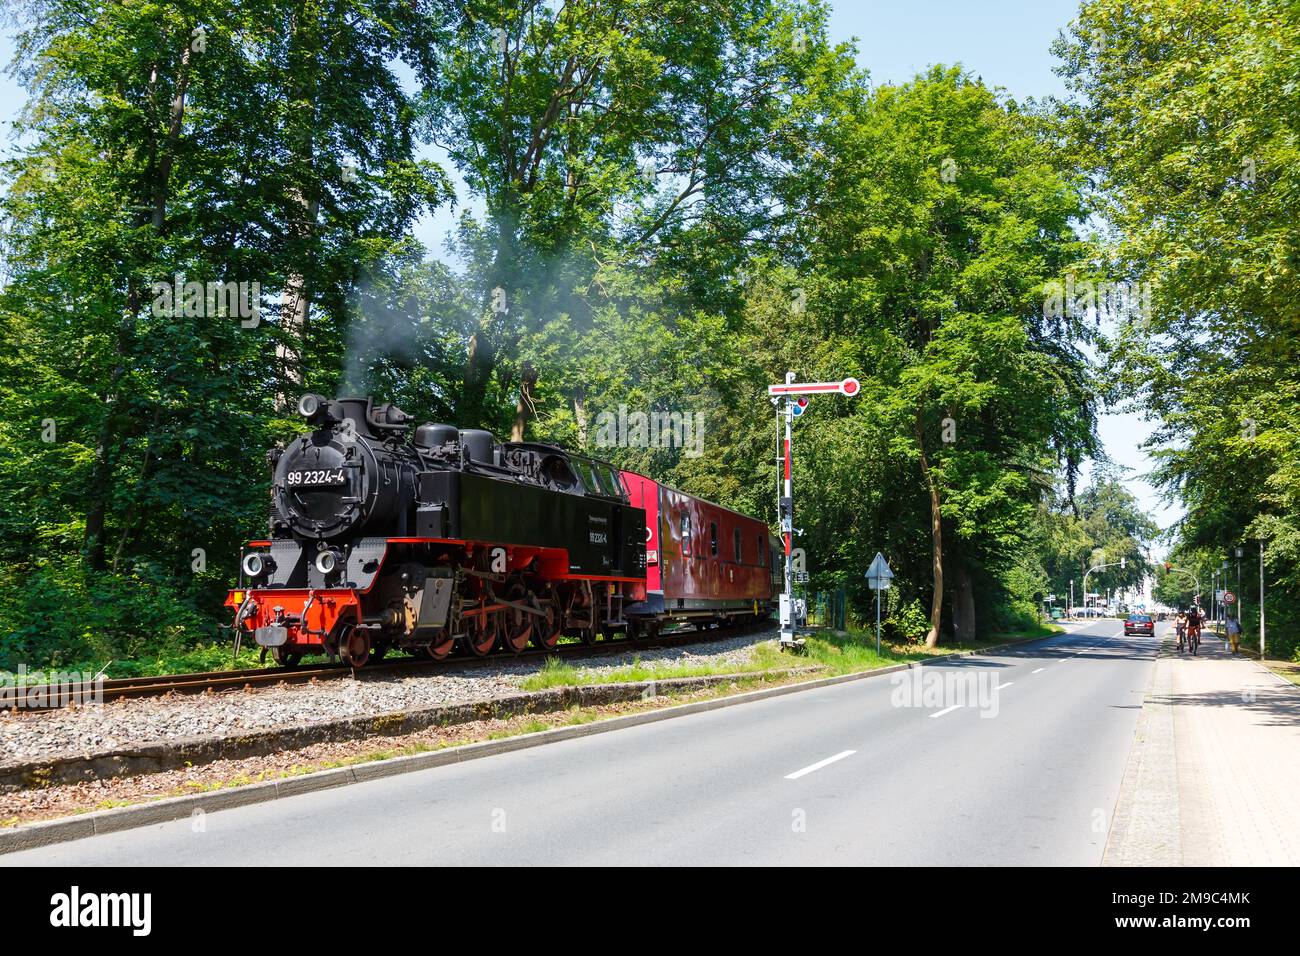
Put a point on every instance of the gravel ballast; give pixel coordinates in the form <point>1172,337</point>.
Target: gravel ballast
<point>31,736</point>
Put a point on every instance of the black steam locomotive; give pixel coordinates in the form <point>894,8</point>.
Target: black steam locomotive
<point>384,534</point>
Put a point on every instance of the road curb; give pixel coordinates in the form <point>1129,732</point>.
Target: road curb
<point>65,829</point>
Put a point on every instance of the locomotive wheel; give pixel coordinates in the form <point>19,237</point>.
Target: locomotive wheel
<point>438,650</point>
<point>286,658</point>
<point>546,632</point>
<point>481,633</point>
<point>354,648</point>
<point>588,635</point>
<point>517,626</point>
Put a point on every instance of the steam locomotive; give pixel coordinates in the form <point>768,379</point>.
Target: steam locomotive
<point>430,538</point>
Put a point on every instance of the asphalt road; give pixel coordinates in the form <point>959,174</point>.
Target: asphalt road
<point>1026,771</point>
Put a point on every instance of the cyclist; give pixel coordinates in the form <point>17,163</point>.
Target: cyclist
<point>1180,628</point>
<point>1193,628</point>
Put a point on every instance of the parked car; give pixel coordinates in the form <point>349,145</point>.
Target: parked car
<point>1139,624</point>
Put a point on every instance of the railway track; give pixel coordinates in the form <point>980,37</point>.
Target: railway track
<point>37,697</point>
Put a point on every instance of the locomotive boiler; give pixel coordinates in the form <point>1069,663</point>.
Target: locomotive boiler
<point>428,538</point>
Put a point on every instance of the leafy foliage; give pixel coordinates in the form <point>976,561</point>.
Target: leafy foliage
<point>1187,118</point>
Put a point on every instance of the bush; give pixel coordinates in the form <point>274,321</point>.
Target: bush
<point>906,624</point>
<point>60,615</point>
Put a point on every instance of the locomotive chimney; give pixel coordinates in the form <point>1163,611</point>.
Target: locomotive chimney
<point>357,411</point>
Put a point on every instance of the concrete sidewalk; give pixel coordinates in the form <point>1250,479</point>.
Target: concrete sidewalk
<point>1214,774</point>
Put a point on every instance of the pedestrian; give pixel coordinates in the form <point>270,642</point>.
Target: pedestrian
<point>1234,634</point>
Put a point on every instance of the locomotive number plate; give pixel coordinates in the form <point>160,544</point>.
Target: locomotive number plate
<point>319,476</point>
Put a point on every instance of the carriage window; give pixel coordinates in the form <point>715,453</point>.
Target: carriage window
<point>686,533</point>
<point>713,538</point>
<point>762,551</point>
<point>735,541</point>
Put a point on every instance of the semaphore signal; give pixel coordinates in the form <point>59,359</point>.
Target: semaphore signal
<point>788,407</point>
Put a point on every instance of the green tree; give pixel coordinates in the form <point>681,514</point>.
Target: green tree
<point>945,215</point>
<point>164,149</point>
<point>625,156</point>
<point>1186,117</point>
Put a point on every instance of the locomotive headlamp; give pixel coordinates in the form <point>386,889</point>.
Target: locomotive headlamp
<point>319,411</point>
<point>328,561</point>
<point>309,405</point>
<point>257,564</point>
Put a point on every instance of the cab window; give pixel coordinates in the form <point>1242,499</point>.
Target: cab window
<point>762,551</point>
<point>686,532</point>
<point>591,478</point>
<point>614,482</point>
<point>735,543</point>
<point>713,538</point>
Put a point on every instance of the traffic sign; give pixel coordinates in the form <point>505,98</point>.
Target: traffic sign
<point>879,575</point>
<point>1229,597</point>
<point>849,386</point>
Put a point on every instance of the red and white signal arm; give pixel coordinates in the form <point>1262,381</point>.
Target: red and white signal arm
<point>848,386</point>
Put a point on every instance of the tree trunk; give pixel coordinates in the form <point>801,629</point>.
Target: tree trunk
<point>580,414</point>
<point>301,225</point>
<point>936,539</point>
<point>293,327</point>
<point>524,407</point>
<point>964,624</point>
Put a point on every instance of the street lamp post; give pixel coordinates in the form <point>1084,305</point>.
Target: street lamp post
<point>1261,598</point>
<point>1214,594</point>
<point>1100,567</point>
<point>1223,606</point>
<point>1240,596</point>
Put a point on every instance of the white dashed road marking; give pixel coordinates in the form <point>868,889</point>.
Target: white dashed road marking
<point>819,764</point>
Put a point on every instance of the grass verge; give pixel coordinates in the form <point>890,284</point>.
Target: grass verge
<point>846,653</point>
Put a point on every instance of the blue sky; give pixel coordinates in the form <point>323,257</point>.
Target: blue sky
<point>1005,42</point>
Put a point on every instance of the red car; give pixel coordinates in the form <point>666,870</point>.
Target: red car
<point>1139,624</point>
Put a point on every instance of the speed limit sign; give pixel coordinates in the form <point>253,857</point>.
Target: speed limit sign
<point>1229,597</point>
